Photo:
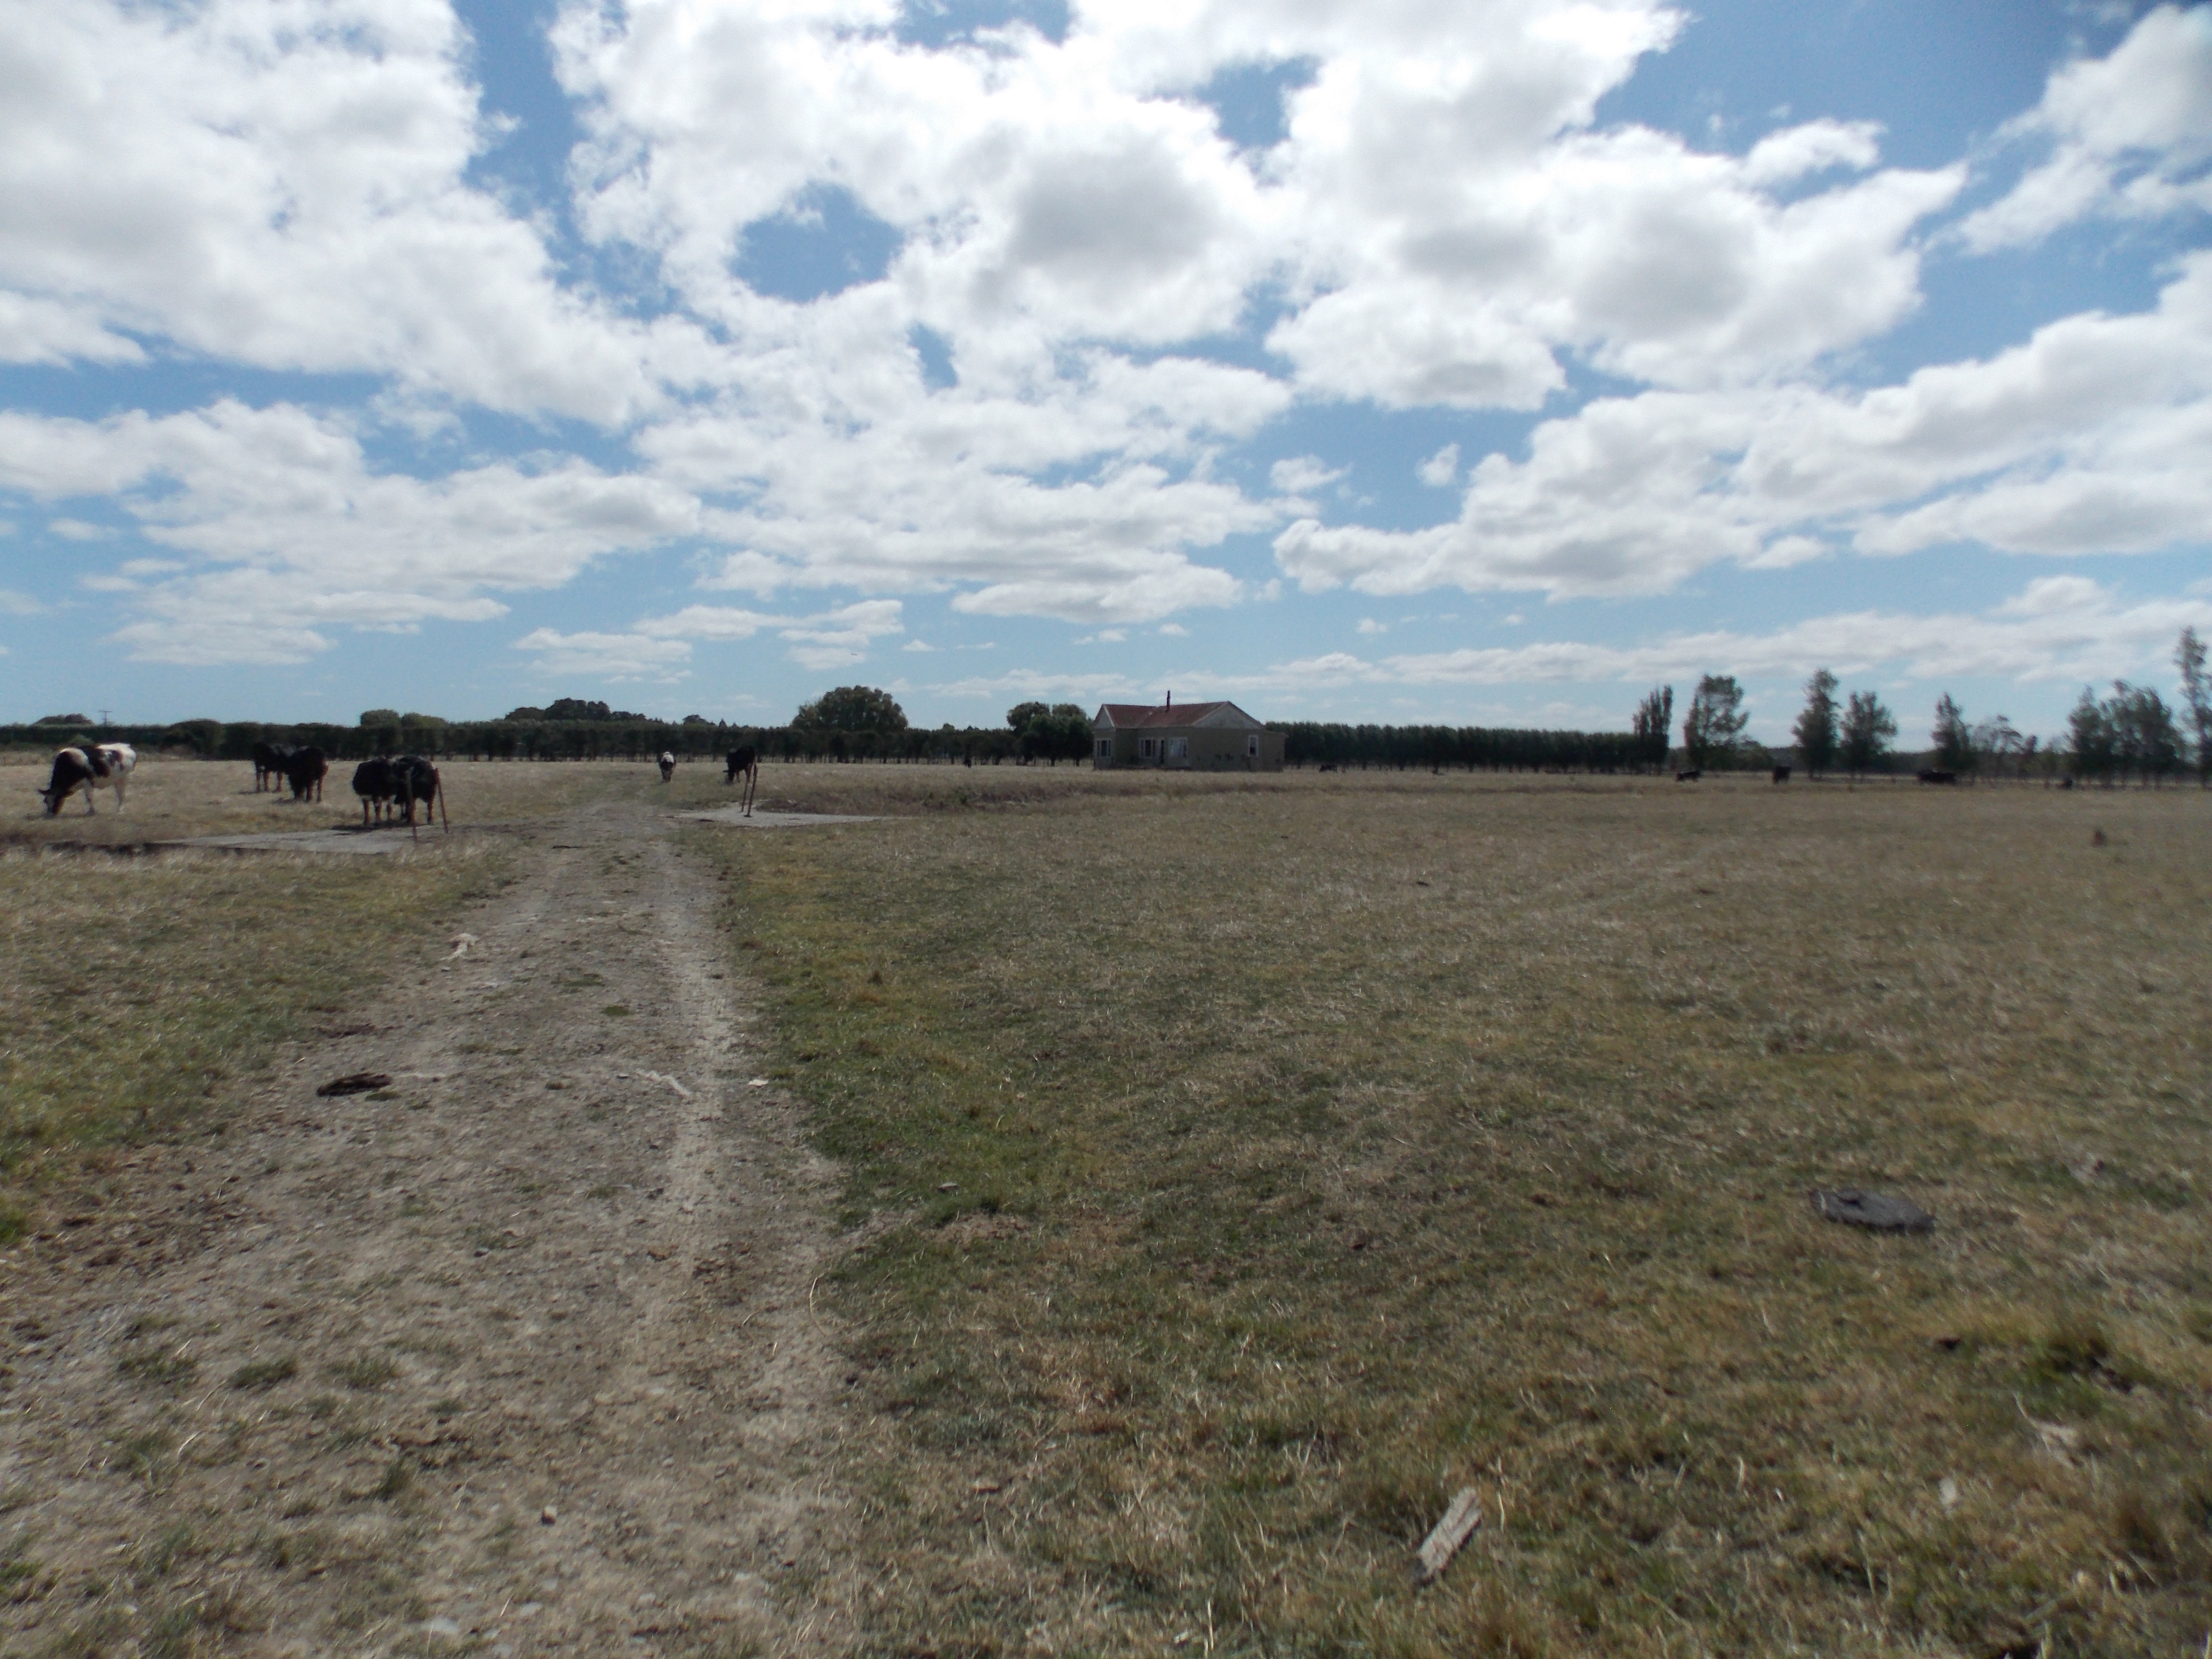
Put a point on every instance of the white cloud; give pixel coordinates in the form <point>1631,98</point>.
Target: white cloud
<point>2057,628</point>
<point>1173,631</point>
<point>2129,136</point>
<point>1368,625</point>
<point>13,604</point>
<point>606,656</point>
<point>1441,468</point>
<point>917,644</point>
<point>286,532</point>
<point>2087,439</point>
<point>828,639</point>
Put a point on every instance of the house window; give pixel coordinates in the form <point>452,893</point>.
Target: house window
<point>1147,747</point>
<point>1178,747</point>
<point>1105,749</point>
<point>1252,746</point>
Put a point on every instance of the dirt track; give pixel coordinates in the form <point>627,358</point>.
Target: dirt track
<point>556,1381</point>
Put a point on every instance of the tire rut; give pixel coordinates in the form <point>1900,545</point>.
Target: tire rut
<point>517,1355</point>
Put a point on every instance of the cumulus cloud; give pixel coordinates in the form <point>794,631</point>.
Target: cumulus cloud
<point>2129,136</point>
<point>606,656</point>
<point>1440,469</point>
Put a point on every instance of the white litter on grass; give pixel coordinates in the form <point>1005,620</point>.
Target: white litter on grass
<point>461,943</point>
<point>757,1083</point>
<point>659,1077</point>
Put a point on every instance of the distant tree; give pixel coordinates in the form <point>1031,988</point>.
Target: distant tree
<point>525,712</point>
<point>1998,742</point>
<point>1815,730</point>
<point>1714,727</point>
<point>1867,730</point>
<point>379,717</point>
<point>410,718</point>
<point>2145,739</point>
<point>2090,736</point>
<point>1953,739</point>
<point>1654,724</point>
<point>2197,699</point>
<point>63,719</point>
<point>853,708</point>
<point>697,719</point>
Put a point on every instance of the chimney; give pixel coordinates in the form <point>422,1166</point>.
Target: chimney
<point>1170,699</point>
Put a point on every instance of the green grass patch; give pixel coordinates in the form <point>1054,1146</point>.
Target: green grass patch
<point>1280,1156</point>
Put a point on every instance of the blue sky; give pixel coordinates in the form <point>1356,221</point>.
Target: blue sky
<point>1427,360</point>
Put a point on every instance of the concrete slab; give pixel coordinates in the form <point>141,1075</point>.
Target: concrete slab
<point>355,843</point>
<point>735,817</point>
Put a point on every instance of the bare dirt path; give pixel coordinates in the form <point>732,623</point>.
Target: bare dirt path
<point>517,1355</point>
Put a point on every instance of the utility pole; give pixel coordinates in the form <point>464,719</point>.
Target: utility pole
<point>104,721</point>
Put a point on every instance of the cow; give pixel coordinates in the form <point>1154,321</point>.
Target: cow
<point>1690,776</point>
<point>269,759</point>
<point>1929,774</point>
<point>90,766</point>
<point>305,770</point>
<point>376,783</point>
<point>746,761</point>
<point>667,766</point>
<point>414,780</point>
<point>1782,775</point>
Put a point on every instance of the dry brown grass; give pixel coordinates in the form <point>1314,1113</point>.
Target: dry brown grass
<point>171,799</point>
<point>1372,1135</point>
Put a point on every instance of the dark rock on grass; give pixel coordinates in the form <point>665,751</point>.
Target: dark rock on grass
<point>1881,1212</point>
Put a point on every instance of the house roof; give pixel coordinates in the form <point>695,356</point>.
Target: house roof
<point>1128,716</point>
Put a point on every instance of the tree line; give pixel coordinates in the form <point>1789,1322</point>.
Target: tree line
<point>2131,735</point>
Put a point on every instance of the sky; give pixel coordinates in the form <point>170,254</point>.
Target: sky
<point>1485,362</point>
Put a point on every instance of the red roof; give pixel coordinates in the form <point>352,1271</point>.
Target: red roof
<point>1128,714</point>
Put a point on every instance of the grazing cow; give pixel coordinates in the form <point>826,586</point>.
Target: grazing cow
<point>1690,776</point>
<point>415,780</point>
<point>667,766</point>
<point>1782,775</point>
<point>93,766</point>
<point>376,783</point>
<point>746,762</point>
<point>2065,783</point>
<point>1930,776</point>
<point>269,759</point>
<point>305,770</point>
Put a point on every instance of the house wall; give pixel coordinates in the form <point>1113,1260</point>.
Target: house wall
<point>1209,749</point>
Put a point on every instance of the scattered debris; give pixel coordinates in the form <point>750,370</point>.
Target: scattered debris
<point>2096,838</point>
<point>461,943</point>
<point>357,1083</point>
<point>1879,1211</point>
<point>548,1516</point>
<point>1949,1344</point>
<point>2058,1440</point>
<point>948,1185</point>
<point>657,1077</point>
<point>2086,1170</point>
<point>757,1083</point>
<point>1947,1489</point>
<point>1445,1539</point>
<point>985,1485</point>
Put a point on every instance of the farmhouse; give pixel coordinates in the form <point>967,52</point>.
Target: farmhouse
<point>1214,736</point>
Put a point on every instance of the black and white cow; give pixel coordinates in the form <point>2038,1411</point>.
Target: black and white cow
<point>268,762</point>
<point>305,770</point>
<point>667,766</point>
<point>377,784</point>
<point>90,766</point>
<point>415,780</point>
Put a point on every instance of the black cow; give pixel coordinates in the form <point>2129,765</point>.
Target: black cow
<point>305,770</point>
<point>415,780</point>
<point>376,783</point>
<point>1782,775</point>
<point>744,761</point>
<point>269,763</point>
<point>1930,776</point>
<point>1690,776</point>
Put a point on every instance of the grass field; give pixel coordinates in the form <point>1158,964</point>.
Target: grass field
<point>141,992</point>
<point>1282,1154</point>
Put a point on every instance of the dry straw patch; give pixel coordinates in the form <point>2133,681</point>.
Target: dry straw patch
<point>1377,1136</point>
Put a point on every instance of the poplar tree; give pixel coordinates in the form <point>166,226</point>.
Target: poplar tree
<point>1714,726</point>
<point>2197,699</point>
<point>1654,716</point>
<point>1954,737</point>
<point>1867,728</point>
<point>1815,730</point>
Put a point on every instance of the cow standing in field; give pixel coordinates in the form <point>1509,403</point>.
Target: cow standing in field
<point>305,770</point>
<point>415,780</point>
<point>1690,776</point>
<point>269,763</point>
<point>667,766</point>
<point>376,783</point>
<point>93,766</point>
<point>1782,775</point>
<point>744,761</point>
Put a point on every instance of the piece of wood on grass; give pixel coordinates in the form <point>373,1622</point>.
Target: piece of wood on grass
<point>357,1083</point>
<point>1445,1539</point>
